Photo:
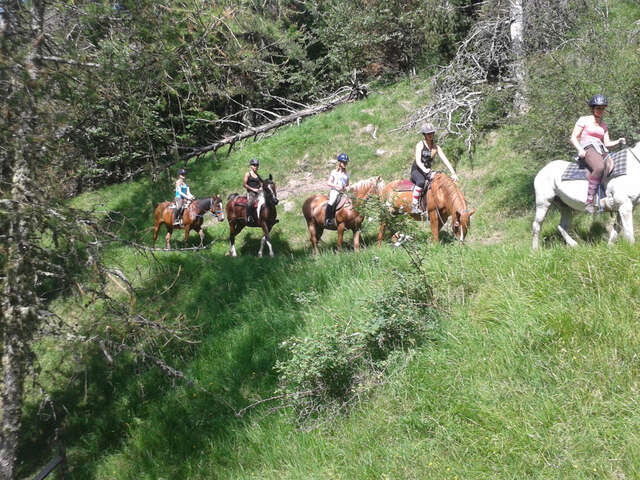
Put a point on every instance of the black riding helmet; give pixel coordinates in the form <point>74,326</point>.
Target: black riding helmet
<point>182,171</point>
<point>254,161</point>
<point>598,100</point>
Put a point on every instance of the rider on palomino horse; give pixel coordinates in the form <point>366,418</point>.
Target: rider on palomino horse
<point>253,184</point>
<point>338,183</point>
<point>183,194</point>
<point>421,173</point>
<point>590,137</point>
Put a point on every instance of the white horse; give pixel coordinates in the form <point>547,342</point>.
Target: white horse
<point>622,195</point>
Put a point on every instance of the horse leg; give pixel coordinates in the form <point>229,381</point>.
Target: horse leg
<point>167,237</point>
<point>232,240</point>
<point>541,212</point>
<point>265,239</point>
<point>434,222</point>
<point>356,240</point>
<point>565,224</point>
<point>156,227</point>
<point>187,229</point>
<point>626,218</point>
<point>381,233</point>
<point>201,233</point>
<point>314,235</point>
<point>340,235</point>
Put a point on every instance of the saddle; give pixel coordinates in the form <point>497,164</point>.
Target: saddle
<point>243,201</point>
<point>615,166</point>
<point>406,185</point>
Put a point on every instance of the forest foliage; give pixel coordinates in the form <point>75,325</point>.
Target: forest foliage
<point>124,89</point>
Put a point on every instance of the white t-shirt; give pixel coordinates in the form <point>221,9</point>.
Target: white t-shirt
<point>339,179</point>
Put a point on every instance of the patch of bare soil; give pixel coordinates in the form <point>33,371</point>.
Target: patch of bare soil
<point>302,183</point>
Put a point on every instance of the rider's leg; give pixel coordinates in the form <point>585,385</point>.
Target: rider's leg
<point>251,200</point>
<point>178,210</point>
<point>415,199</point>
<point>594,160</point>
<point>330,212</point>
<point>419,179</point>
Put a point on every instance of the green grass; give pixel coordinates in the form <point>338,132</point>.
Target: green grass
<point>533,372</point>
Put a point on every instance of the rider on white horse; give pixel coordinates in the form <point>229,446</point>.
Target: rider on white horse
<point>590,137</point>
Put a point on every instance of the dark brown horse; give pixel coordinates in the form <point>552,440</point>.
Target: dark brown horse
<point>444,200</point>
<point>191,217</point>
<point>347,216</point>
<point>267,217</point>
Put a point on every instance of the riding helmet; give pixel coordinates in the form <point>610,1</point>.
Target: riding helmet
<point>254,161</point>
<point>343,158</point>
<point>182,171</point>
<point>598,100</point>
<point>427,128</point>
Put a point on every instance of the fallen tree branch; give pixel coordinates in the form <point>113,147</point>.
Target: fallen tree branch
<point>344,95</point>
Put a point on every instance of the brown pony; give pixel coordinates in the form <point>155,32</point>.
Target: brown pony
<point>314,208</point>
<point>444,200</point>
<point>191,217</point>
<point>237,216</point>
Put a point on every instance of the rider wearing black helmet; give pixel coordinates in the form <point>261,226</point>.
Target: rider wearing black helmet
<point>182,195</point>
<point>590,137</point>
<point>338,183</point>
<point>253,184</point>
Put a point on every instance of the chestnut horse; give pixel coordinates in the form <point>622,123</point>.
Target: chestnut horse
<point>267,218</point>
<point>444,200</point>
<point>191,217</point>
<point>347,216</point>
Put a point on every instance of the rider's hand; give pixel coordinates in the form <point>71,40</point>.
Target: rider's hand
<point>455,178</point>
<point>581,153</point>
<point>622,141</point>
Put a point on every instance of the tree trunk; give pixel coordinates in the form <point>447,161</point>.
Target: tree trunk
<point>19,296</point>
<point>517,48</point>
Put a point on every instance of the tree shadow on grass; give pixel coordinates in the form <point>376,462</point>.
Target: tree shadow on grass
<point>243,309</point>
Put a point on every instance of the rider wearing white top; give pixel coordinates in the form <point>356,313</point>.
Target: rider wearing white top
<point>338,183</point>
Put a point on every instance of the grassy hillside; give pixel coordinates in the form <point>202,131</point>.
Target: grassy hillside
<point>530,369</point>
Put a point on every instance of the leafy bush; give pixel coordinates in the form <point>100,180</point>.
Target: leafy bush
<point>326,373</point>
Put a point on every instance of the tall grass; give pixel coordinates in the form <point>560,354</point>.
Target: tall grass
<point>531,373</point>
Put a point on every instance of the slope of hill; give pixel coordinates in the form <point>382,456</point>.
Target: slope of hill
<point>530,369</point>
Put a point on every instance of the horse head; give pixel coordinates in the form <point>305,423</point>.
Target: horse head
<point>217,208</point>
<point>461,223</point>
<point>269,189</point>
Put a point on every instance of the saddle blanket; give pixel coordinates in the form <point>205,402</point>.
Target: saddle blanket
<point>242,201</point>
<point>575,171</point>
<point>404,185</point>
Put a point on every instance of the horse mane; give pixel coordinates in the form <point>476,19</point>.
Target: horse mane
<point>366,186</point>
<point>201,203</point>
<point>454,198</point>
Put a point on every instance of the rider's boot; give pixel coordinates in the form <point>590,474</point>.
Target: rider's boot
<point>176,217</point>
<point>329,217</point>
<point>415,200</point>
<point>249,215</point>
<point>591,192</point>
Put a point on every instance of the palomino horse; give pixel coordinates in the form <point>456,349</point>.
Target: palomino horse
<point>622,194</point>
<point>237,216</point>
<point>314,208</point>
<point>444,200</point>
<point>191,217</point>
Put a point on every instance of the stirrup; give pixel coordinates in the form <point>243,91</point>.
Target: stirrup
<point>416,210</point>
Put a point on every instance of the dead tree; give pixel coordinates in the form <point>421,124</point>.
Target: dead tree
<point>492,58</point>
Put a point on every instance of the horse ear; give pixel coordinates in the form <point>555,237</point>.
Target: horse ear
<point>270,177</point>
<point>472,212</point>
